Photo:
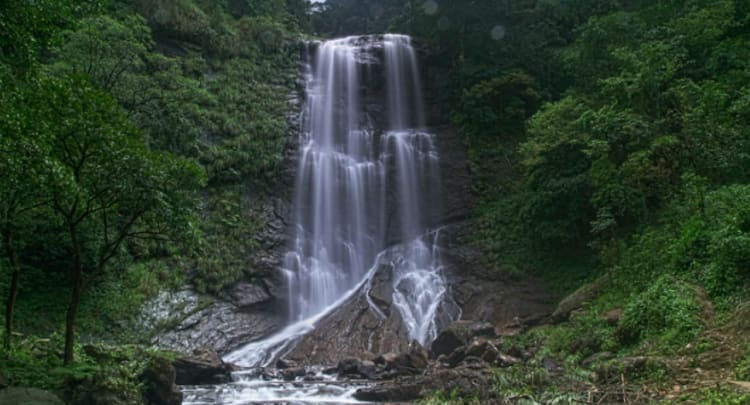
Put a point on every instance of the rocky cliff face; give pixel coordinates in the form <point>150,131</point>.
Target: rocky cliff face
<point>368,323</point>
<point>249,309</point>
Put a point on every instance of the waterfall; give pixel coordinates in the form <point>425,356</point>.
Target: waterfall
<point>359,185</point>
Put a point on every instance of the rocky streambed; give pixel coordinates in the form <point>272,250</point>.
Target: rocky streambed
<point>461,360</point>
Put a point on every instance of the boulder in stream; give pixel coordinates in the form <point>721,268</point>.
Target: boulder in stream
<point>203,366</point>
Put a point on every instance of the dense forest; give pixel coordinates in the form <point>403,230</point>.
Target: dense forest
<point>608,143</point>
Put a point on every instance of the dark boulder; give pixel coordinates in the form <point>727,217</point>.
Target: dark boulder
<point>203,366</point>
<point>349,366</point>
<point>356,368</point>
<point>159,379</point>
<point>290,374</point>
<point>468,380</point>
<point>368,369</point>
<point>284,363</point>
<point>480,349</point>
<point>459,334</point>
<point>387,360</point>
<point>455,358</point>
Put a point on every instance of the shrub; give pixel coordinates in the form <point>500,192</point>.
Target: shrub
<point>668,312</point>
<point>742,369</point>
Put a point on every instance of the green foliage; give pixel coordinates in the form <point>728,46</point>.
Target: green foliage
<point>112,117</point>
<point>742,369</point>
<point>531,385</point>
<point>586,334</point>
<point>722,397</point>
<point>447,398</point>
<point>26,27</point>
<point>230,227</point>
<point>668,311</point>
<point>102,374</point>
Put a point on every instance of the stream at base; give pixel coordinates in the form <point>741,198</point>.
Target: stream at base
<point>252,387</point>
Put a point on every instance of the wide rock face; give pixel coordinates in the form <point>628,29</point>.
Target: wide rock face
<point>507,300</point>
<point>244,312</point>
<point>189,321</point>
<point>365,324</point>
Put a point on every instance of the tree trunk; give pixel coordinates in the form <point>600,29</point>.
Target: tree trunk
<point>13,292</point>
<point>75,297</point>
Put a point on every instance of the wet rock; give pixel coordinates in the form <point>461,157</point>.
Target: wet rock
<point>290,374</point>
<point>244,295</point>
<point>415,359</point>
<point>458,334</point>
<point>386,359</point>
<point>482,348</point>
<point>349,366</point>
<point>467,380</point>
<point>285,363</point>
<point>203,366</point>
<point>159,378</point>
<point>23,395</point>
<point>357,328</point>
<point>218,325</point>
<point>270,374</point>
<point>167,307</point>
<point>479,350</point>
<point>456,357</point>
<point>356,368</point>
<point>368,369</point>
<point>509,301</point>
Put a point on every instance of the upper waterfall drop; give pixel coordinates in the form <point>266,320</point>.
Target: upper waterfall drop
<point>367,178</point>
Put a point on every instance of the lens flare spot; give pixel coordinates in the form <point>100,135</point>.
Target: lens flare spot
<point>430,7</point>
<point>498,32</point>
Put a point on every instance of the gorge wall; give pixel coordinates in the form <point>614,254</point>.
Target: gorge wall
<point>368,322</point>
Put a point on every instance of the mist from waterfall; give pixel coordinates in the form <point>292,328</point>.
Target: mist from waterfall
<point>357,186</point>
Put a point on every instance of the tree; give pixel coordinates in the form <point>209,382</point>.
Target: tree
<point>157,95</point>
<point>26,167</point>
<point>27,27</point>
<point>115,188</point>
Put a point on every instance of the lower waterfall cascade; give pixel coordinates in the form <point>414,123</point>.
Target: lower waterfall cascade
<point>366,189</point>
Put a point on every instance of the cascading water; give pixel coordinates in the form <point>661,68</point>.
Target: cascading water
<point>357,186</point>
